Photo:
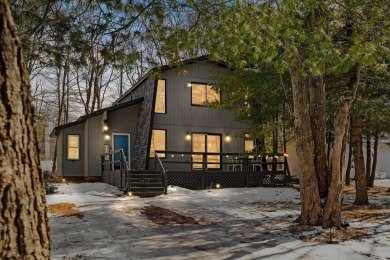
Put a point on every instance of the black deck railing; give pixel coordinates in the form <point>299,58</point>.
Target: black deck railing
<point>270,163</point>
<point>198,170</point>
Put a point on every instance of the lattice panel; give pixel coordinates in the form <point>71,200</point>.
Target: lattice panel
<point>189,181</point>
<point>226,181</point>
<point>255,180</point>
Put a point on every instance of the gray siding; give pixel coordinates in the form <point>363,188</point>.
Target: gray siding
<point>181,116</point>
<point>60,157</point>
<point>73,167</point>
<point>124,121</point>
<point>95,144</point>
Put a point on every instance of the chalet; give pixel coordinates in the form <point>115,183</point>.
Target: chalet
<point>198,146</point>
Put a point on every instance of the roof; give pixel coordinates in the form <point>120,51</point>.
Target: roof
<point>167,67</point>
<point>82,119</point>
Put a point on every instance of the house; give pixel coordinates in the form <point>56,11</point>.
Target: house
<point>171,114</point>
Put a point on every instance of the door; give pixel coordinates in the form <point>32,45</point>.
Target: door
<point>121,141</point>
<point>206,143</point>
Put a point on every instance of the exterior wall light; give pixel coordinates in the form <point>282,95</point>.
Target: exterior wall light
<point>228,138</point>
<point>188,136</point>
<point>107,137</point>
<point>105,128</point>
<point>285,154</point>
<point>189,85</point>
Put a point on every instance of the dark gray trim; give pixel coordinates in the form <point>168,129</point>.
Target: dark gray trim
<point>82,119</point>
<point>151,125</point>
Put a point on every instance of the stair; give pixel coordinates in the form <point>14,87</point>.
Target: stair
<point>145,184</point>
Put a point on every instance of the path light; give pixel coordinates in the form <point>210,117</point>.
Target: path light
<point>217,186</point>
<point>130,194</point>
<point>228,138</point>
<point>63,180</point>
<point>171,189</point>
<point>188,136</point>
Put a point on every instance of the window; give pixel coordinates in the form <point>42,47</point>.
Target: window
<point>249,146</point>
<point>160,97</point>
<point>73,147</point>
<point>158,142</point>
<point>206,143</point>
<point>202,94</point>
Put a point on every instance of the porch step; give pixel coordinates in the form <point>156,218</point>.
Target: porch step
<point>146,184</point>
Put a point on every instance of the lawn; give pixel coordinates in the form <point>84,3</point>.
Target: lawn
<point>95,221</point>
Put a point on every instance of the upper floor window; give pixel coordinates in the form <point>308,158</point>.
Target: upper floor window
<point>203,94</point>
<point>73,147</point>
<point>160,106</point>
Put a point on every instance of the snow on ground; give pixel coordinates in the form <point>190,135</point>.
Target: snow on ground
<point>240,223</point>
<point>382,183</point>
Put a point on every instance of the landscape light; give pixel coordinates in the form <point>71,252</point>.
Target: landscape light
<point>130,194</point>
<point>217,186</point>
<point>63,180</point>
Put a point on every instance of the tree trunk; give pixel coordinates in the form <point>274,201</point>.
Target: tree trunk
<point>357,142</point>
<point>332,209</point>
<point>374,159</point>
<point>23,220</point>
<point>310,195</point>
<point>368,157</point>
<point>318,122</point>
<point>349,165</point>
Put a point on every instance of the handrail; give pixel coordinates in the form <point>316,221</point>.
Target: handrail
<point>123,164</point>
<point>163,171</point>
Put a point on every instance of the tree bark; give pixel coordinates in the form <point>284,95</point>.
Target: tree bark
<point>318,122</point>
<point>374,160</point>
<point>23,220</point>
<point>357,142</point>
<point>368,157</point>
<point>310,195</point>
<point>332,209</point>
<point>349,165</point>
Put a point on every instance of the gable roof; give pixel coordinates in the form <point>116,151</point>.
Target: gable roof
<point>82,119</point>
<point>167,67</point>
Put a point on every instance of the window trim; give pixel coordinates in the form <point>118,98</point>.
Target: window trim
<point>67,147</point>
<point>220,142</point>
<point>165,100</point>
<point>165,154</point>
<point>205,84</point>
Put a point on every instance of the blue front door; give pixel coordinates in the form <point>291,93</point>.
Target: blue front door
<point>121,141</point>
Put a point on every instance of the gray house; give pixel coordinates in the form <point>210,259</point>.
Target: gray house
<point>170,114</point>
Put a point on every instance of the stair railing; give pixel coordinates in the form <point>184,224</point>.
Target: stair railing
<point>162,172</point>
<point>123,164</point>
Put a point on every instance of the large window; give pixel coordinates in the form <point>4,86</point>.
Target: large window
<point>160,106</point>
<point>203,94</point>
<point>73,147</point>
<point>206,143</point>
<point>249,146</point>
<point>158,142</point>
